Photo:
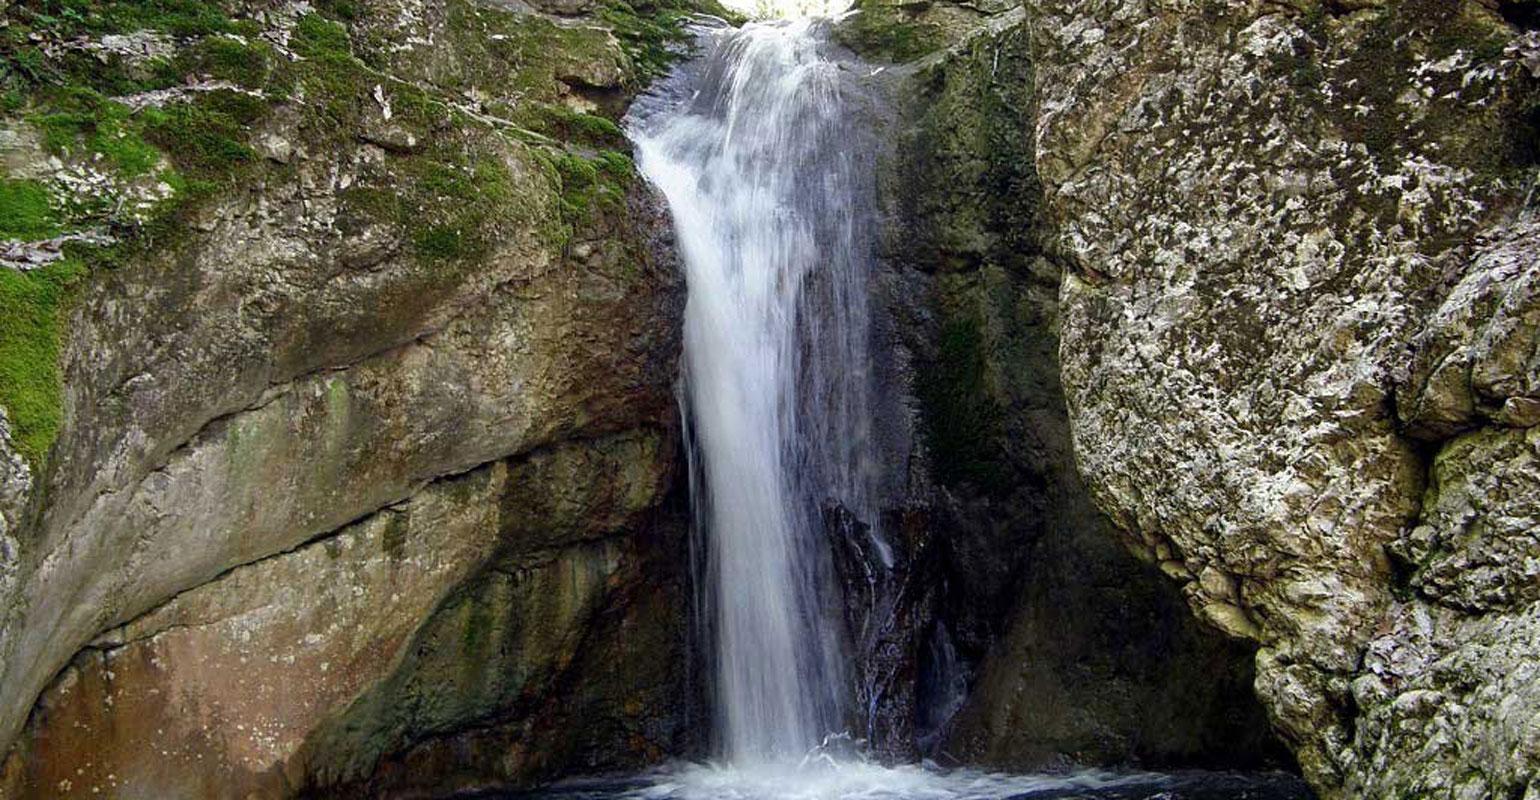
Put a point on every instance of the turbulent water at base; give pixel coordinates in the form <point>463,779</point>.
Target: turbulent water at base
<point>769,189</point>
<point>817,779</point>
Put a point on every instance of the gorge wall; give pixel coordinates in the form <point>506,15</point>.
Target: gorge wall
<point>1064,648</point>
<point>1298,345</point>
<point>339,375</point>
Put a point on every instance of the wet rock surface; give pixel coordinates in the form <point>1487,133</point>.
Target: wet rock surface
<point>390,391</point>
<point>1033,637</point>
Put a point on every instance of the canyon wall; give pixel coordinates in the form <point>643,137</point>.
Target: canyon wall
<point>1299,353</point>
<point>1291,245</point>
<point>339,365</point>
<point>1039,639</point>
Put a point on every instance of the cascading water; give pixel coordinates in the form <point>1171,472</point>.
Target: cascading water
<point>766,183</point>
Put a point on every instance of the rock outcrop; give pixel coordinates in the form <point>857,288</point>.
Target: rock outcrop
<point>1038,639</point>
<point>1298,351</point>
<point>342,443</point>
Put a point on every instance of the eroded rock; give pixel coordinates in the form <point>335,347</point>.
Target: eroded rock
<point>302,419</point>
<point>1272,219</point>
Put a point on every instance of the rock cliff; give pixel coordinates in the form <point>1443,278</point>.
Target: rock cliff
<point>1298,353</point>
<point>338,357</point>
<point>1291,244</point>
<point>1039,640</point>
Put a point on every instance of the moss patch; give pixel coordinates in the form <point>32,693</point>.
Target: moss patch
<point>883,32</point>
<point>206,140</point>
<point>652,33</point>
<point>454,204</point>
<point>32,305</point>
<point>25,211</point>
<point>592,185</point>
<point>223,58</point>
<point>79,120</point>
<point>560,122</point>
<point>22,65</point>
<point>961,421</point>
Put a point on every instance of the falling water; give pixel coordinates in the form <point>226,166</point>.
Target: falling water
<point>764,150</point>
<point>769,186</point>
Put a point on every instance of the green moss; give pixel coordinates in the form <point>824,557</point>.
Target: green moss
<point>227,59</point>
<point>961,421</point>
<point>23,65</point>
<point>652,40</point>
<point>418,110</point>
<point>183,18</point>
<point>25,211</point>
<point>81,120</point>
<point>453,202</point>
<point>206,140</point>
<point>32,305</point>
<point>346,10</point>
<point>591,184</point>
<point>450,203</point>
<point>333,81</point>
<point>880,30</point>
<point>444,241</point>
<point>315,36</point>
<point>560,122</point>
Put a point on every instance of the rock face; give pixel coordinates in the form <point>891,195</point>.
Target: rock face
<point>1039,640</point>
<point>367,418</point>
<point>1298,334</point>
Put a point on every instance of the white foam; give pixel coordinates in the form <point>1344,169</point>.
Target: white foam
<point>836,779</point>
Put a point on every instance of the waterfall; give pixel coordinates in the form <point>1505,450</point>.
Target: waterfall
<point>769,183</point>
<point>764,147</point>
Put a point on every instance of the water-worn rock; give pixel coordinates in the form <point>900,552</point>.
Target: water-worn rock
<point>306,668</point>
<point>15,488</point>
<point>1048,640</point>
<point>1299,239</point>
<point>420,328</point>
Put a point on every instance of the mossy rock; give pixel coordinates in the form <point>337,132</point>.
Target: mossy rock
<point>26,211</point>
<point>961,418</point>
<point>885,31</point>
<point>32,309</point>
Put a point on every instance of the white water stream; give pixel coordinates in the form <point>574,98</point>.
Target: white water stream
<point>770,194</point>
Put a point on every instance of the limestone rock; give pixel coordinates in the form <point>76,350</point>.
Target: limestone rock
<point>307,667</point>
<point>1047,642</point>
<point>319,405</point>
<point>1299,245</point>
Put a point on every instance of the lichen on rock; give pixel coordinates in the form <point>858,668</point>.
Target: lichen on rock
<point>1298,239</point>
